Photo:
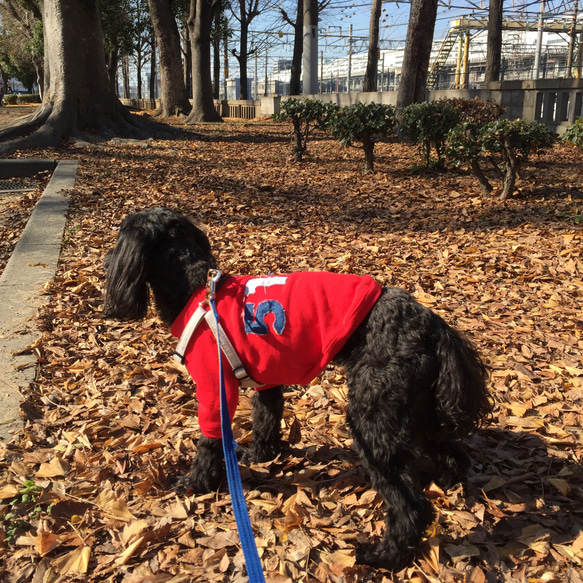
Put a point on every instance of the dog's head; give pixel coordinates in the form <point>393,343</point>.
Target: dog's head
<point>163,249</point>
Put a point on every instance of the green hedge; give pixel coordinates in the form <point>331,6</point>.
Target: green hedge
<point>16,99</point>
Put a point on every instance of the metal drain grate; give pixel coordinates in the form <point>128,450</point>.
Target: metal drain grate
<point>14,186</point>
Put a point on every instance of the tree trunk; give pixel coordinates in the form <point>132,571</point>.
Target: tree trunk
<point>173,98</point>
<point>187,52</point>
<point>153,67</point>
<point>295,86</point>
<point>494,44</point>
<point>485,185</point>
<point>216,67</point>
<point>510,171</point>
<point>368,148</point>
<point>199,25</point>
<point>372,64</point>
<point>112,61</point>
<point>417,52</point>
<point>125,73</point>
<point>78,96</point>
<point>242,58</point>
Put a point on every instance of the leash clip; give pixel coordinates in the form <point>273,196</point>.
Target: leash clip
<point>213,277</point>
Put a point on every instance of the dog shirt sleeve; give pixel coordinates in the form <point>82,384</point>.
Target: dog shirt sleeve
<point>202,362</point>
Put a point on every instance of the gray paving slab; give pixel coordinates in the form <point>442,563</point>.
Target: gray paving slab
<point>22,291</point>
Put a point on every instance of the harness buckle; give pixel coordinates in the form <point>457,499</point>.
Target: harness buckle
<point>213,278</point>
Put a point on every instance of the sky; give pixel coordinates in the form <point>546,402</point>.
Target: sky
<point>335,20</point>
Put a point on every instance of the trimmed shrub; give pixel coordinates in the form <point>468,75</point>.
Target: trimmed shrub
<point>574,134</point>
<point>428,124</point>
<point>305,115</point>
<point>508,144</point>
<point>476,111</point>
<point>29,98</point>
<point>362,123</point>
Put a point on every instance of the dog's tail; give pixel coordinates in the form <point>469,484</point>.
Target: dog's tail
<point>461,396</point>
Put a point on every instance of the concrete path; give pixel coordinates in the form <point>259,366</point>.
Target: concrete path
<point>33,263</point>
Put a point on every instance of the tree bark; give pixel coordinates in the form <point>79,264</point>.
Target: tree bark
<point>78,98</point>
<point>295,86</point>
<point>153,66</point>
<point>199,24</point>
<point>485,185</point>
<point>372,64</point>
<point>417,52</point>
<point>494,43</point>
<point>243,53</point>
<point>510,171</point>
<point>173,99</point>
<point>368,148</point>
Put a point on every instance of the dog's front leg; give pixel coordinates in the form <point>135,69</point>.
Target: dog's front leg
<point>266,417</point>
<point>208,468</point>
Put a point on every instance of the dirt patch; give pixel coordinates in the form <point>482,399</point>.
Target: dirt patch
<point>10,113</point>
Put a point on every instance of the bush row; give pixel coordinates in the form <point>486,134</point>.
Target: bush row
<point>465,133</point>
<point>18,99</point>
<point>469,133</point>
<point>364,124</point>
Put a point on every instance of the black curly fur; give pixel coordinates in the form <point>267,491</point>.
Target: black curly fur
<point>416,387</point>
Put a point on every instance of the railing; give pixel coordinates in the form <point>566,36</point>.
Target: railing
<point>556,102</point>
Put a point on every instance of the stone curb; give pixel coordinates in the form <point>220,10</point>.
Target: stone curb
<point>32,264</point>
<point>25,167</point>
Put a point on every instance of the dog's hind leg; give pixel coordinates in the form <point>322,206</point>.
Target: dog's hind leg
<point>266,417</point>
<point>387,453</point>
<point>449,463</point>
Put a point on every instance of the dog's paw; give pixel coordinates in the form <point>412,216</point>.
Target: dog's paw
<point>256,454</point>
<point>384,555</point>
<point>205,480</point>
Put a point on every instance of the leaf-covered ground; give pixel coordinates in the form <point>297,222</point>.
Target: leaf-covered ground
<point>15,208</point>
<point>110,420</point>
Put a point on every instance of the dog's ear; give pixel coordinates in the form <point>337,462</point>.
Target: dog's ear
<point>126,289</point>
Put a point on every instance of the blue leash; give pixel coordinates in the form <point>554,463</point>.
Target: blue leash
<point>252,562</point>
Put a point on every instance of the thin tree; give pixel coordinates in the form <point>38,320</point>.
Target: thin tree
<point>78,98</point>
<point>141,41</point>
<point>245,11</point>
<point>200,20</point>
<point>219,35</point>
<point>118,30</point>
<point>372,63</point>
<point>173,99</point>
<point>417,52</point>
<point>494,42</point>
<point>22,18</point>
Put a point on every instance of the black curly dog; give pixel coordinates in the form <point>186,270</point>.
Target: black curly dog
<point>416,387</point>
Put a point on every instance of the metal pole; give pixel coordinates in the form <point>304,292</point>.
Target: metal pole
<point>572,39</point>
<point>265,91</point>
<point>466,78</point>
<point>321,70</point>
<point>458,66</point>
<point>382,71</point>
<point>539,42</point>
<point>225,66</point>
<point>349,59</point>
<point>310,60</point>
<point>256,87</point>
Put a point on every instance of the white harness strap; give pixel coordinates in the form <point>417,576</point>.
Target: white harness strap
<point>229,351</point>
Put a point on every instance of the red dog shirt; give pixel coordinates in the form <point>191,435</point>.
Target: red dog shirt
<point>285,329</point>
